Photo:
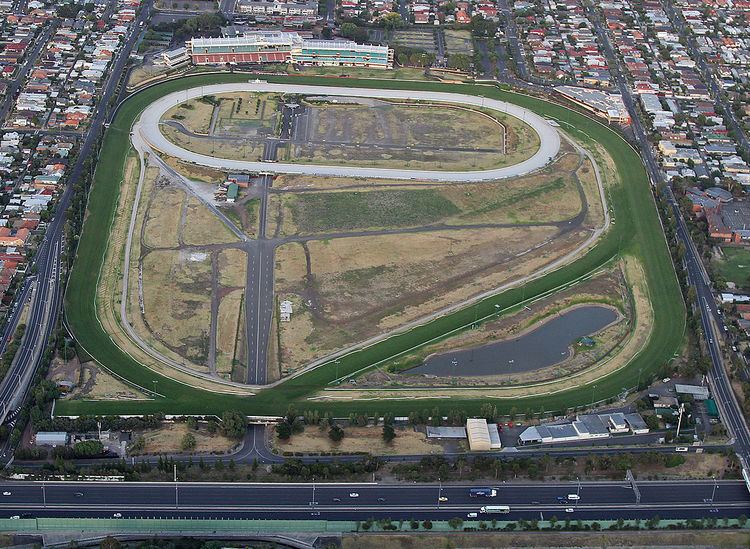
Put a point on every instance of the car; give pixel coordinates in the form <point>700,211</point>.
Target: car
<point>569,510</point>
<point>442,499</point>
<point>562,498</point>
<point>15,517</point>
<point>381,499</point>
<point>78,494</point>
<point>471,515</point>
<point>574,497</point>
<point>117,515</point>
<point>353,495</point>
<point>682,449</point>
<point>666,380</point>
<point>336,499</point>
<point>6,493</point>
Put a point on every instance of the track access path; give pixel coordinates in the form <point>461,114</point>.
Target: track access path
<point>148,127</point>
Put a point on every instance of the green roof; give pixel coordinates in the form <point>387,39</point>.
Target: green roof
<point>232,190</point>
<point>711,408</point>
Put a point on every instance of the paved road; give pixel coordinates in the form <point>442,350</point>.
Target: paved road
<point>598,500</point>
<point>149,122</point>
<point>48,295</point>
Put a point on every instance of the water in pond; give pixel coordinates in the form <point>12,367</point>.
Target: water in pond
<point>544,346</point>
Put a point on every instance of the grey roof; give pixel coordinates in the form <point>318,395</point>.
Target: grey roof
<point>566,430</point>
<point>532,434</point>
<point>616,418</point>
<point>446,432</point>
<point>636,422</point>
<point>594,424</point>
<point>696,390</point>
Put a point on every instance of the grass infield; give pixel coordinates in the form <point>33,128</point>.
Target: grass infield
<point>637,231</point>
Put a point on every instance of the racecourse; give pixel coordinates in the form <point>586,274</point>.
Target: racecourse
<point>148,128</point>
<point>637,232</point>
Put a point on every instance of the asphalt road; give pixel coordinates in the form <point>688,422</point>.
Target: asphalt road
<point>149,122</point>
<point>47,298</point>
<point>598,500</point>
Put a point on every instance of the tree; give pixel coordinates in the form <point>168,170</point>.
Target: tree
<point>188,442</point>
<point>233,424</point>
<point>389,433</point>
<point>392,20</point>
<point>427,524</point>
<point>110,543</point>
<point>456,523</point>
<point>283,430</point>
<point>336,434</point>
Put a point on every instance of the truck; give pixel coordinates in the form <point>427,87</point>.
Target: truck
<point>495,509</point>
<point>483,492</point>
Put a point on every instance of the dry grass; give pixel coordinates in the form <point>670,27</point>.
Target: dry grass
<point>621,356</point>
<point>203,228</point>
<point>363,286</point>
<point>195,115</point>
<point>220,148</point>
<point>168,440</point>
<point>360,440</point>
<point>232,267</point>
<point>587,178</point>
<point>177,297</point>
<point>163,218</point>
<point>195,172</point>
<point>226,332</point>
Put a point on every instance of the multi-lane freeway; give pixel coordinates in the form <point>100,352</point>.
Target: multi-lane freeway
<point>595,500</point>
<point>47,296</point>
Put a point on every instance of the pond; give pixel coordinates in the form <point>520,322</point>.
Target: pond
<point>547,345</point>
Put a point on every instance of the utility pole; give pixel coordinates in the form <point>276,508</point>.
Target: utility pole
<point>713,493</point>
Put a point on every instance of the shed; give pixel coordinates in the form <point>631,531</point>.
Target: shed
<point>446,432</point>
<point>51,438</point>
<point>698,392</point>
<point>479,435</point>
<point>232,190</point>
<point>711,409</point>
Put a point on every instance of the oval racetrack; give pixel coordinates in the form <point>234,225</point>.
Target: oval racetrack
<point>148,127</point>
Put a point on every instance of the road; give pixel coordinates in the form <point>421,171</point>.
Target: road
<point>47,298</point>
<point>149,128</point>
<point>730,408</point>
<point>598,500</point>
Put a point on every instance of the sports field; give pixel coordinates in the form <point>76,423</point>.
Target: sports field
<point>637,233</point>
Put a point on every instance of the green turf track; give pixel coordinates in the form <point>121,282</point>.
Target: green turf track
<point>637,231</point>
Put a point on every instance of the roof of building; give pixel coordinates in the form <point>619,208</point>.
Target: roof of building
<point>697,391</point>
<point>636,422</point>
<point>446,432</point>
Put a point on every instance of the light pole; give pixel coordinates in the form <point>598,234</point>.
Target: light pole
<point>713,493</point>
<point>313,493</point>
<point>44,495</point>
<point>578,491</point>
<point>440,491</point>
<point>593,388</point>
<point>176,499</point>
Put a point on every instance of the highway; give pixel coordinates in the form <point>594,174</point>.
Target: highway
<point>148,126</point>
<point>47,297</point>
<point>359,501</point>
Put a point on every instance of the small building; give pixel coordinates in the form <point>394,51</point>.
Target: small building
<point>637,424</point>
<point>242,179</point>
<point>446,432</point>
<point>285,310</point>
<point>478,434</point>
<point>176,57</point>
<point>232,191</point>
<point>712,410</point>
<point>698,392</point>
<point>495,442</point>
<point>51,438</point>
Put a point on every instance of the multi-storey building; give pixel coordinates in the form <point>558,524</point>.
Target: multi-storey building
<point>286,47</point>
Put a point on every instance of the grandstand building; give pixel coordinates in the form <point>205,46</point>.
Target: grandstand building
<point>287,47</point>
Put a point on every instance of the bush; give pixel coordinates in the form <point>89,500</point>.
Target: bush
<point>188,442</point>
<point>336,434</point>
